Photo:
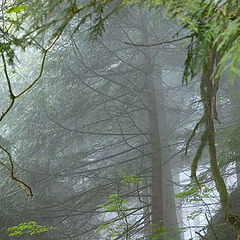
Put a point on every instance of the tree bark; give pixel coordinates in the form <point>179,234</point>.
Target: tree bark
<point>157,208</point>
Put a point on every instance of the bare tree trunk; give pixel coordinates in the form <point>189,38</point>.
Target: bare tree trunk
<point>157,214</point>
<point>170,213</point>
<point>163,202</point>
<point>157,188</point>
<point>157,124</point>
<point>147,212</point>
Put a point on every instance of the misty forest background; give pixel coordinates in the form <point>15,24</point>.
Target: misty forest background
<point>100,138</point>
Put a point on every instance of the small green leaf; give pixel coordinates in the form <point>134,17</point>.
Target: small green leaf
<point>16,9</point>
<point>155,237</point>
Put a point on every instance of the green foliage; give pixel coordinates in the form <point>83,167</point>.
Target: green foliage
<point>118,224</point>
<point>158,232</point>
<point>112,229</point>
<point>212,25</point>
<point>195,213</point>
<point>130,180</point>
<point>28,228</point>
<point>115,203</point>
<point>192,192</point>
<point>155,237</point>
<point>21,24</point>
<point>195,193</point>
<point>16,9</point>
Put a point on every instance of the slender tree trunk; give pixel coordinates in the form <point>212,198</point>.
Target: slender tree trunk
<point>157,212</point>
<point>162,191</point>
<point>147,212</point>
<point>170,213</point>
<point>157,188</point>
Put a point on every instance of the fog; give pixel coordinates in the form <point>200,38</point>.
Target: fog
<point>100,138</point>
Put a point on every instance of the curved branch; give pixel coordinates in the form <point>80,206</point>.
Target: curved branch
<point>20,183</point>
<point>197,156</point>
<point>193,133</point>
<point>12,97</point>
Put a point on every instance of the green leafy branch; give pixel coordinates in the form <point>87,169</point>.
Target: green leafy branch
<point>130,180</point>
<point>195,193</point>
<point>117,225</point>
<point>28,228</point>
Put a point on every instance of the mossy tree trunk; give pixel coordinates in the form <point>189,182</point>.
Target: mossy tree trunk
<point>208,90</point>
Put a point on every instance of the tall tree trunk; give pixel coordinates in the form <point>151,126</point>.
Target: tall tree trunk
<point>170,215</point>
<point>163,206</point>
<point>157,186</point>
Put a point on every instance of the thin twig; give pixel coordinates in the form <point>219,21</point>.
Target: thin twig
<point>159,43</point>
<point>45,51</point>
<point>211,227</point>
